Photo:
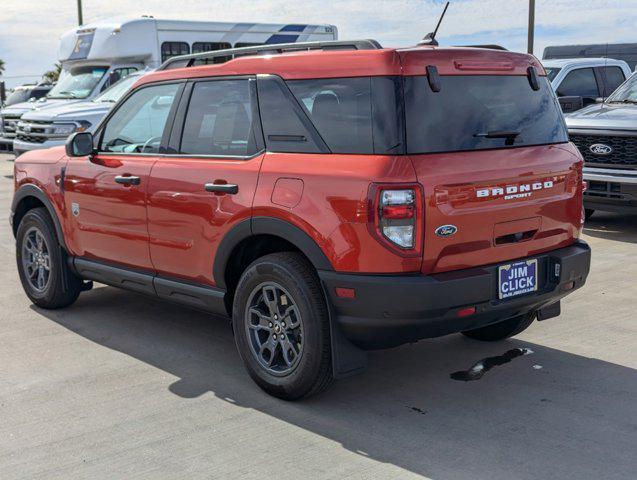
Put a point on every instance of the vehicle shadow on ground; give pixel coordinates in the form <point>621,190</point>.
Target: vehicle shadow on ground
<point>612,226</point>
<point>573,418</point>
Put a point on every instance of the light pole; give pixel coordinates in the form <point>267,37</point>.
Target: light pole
<point>80,20</point>
<point>529,48</point>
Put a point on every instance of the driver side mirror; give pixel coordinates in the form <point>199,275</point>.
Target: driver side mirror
<point>79,144</point>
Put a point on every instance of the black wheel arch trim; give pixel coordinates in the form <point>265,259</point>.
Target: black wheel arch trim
<point>266,226</point>
<point>30,190</point>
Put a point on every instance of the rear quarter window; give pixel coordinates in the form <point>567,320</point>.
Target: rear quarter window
<point>354,115</point>
<point>467,108</point>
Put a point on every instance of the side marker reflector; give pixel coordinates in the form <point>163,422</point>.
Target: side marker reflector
<point>465,312</point>
<point>345,292</point>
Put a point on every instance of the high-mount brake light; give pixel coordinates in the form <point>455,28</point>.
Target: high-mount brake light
<point>396,217</point>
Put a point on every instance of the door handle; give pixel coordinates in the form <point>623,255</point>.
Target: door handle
<point>222,188</point>
<point>127,180</point>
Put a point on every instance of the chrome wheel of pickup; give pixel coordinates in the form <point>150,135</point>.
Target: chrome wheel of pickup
<point>274,328</point>
<point>36,260</point>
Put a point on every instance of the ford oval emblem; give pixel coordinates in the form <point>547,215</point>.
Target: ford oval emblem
<point>601,149</point>
<point>446,230</point>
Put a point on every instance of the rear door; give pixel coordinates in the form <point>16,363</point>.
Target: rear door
<point>500,180</point>
<point>612,77</point>
<point>206,183</point>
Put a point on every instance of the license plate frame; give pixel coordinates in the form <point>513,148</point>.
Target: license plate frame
<point>517,275</point>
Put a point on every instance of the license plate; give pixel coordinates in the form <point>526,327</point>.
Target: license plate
<point>517,278</point>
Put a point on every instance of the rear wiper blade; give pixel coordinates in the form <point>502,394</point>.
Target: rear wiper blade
<point>498,134</point>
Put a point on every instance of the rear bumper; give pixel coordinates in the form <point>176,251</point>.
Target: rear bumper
<point>611,190</point>
<point>389,310</point>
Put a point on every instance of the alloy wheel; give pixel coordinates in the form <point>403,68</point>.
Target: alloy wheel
<point>36,259</point>
<point>274,328</point>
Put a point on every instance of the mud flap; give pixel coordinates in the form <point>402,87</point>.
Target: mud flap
<point>347,359</point>
<point>550,311</point>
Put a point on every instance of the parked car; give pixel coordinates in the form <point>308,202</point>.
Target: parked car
<point>19,101</point>
<point>48,127</point>
<point>25,93</point>
<point>96,55</point>
<point>606,135</point>
<point>344,198</point>
<point>580,82</point>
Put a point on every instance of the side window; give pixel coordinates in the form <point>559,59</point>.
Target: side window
<point>219,119</point>
<point>341,111</point>
<point>285,127</point>
<point>580,82</point>
<point>200,47</point>
<point>117,75</point>
<point>138,125</point>
<point>614,77</point>
<point>172,49</point>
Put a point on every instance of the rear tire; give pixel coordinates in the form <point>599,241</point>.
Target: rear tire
<point>281,326</point>
<point>588,213</point>
<point>46,278</point>
<point>501,330</point>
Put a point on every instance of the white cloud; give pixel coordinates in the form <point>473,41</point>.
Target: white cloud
<point>29,31</point>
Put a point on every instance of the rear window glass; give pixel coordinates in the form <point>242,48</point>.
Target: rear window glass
<point>219,119</point>
<point>354,115</point>
<point>341,111</point>
<point>480,112</point>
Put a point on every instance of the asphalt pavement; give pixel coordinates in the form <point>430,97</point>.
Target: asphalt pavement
<point>122,386</point>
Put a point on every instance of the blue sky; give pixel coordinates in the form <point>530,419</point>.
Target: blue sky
<point>29,31</point>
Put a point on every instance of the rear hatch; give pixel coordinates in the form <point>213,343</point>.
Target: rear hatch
<point>500,180</point>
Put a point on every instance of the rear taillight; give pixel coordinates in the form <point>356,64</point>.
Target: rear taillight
<point>395,217</point>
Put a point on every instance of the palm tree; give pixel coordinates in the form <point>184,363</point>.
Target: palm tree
<point>53,75</point>
<point>1,66</point>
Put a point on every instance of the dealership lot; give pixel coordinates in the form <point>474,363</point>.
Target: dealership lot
<point>124,386</point>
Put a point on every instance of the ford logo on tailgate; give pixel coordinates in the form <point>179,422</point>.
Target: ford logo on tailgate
<point>601,149</point>
<point>446,230</point>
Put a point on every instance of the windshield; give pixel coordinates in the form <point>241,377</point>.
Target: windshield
<point>118,90</point>
<point>18,96</point>
<point>551,72</point>
<point>78,83</point>
<point>626,92</point>
<point>480,112</point>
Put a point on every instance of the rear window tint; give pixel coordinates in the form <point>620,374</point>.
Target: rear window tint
<point>219,119</point>
<point>341,111</point>
<point>467,108</point>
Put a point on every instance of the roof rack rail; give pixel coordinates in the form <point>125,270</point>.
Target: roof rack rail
<point>190,60</point>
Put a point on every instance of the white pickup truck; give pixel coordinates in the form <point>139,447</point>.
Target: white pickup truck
<point>580,82</point>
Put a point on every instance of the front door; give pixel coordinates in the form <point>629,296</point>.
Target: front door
<point>106,193</point>
<point>197,194</point>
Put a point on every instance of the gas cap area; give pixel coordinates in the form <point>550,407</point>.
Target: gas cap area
<point>287,192</point>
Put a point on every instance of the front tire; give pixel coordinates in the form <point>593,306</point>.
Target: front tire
<point>46,278</point>
<point>281,326</point>
<point>502,330</point>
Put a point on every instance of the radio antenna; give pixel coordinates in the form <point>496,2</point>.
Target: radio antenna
<point>430,38</point>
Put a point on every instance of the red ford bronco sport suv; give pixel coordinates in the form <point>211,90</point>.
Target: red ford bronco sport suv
<point>329,198</point>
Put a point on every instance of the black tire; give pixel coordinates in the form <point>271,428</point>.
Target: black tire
<point>588,213</point>
<point>310,371</point>
<point>62,287</point>
<point>501,330</point>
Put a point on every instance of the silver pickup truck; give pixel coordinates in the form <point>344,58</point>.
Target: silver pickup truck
<point>606,135</point>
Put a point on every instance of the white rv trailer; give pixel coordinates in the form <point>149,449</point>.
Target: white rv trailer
<point>96,55</point>
<point>105,51</point>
